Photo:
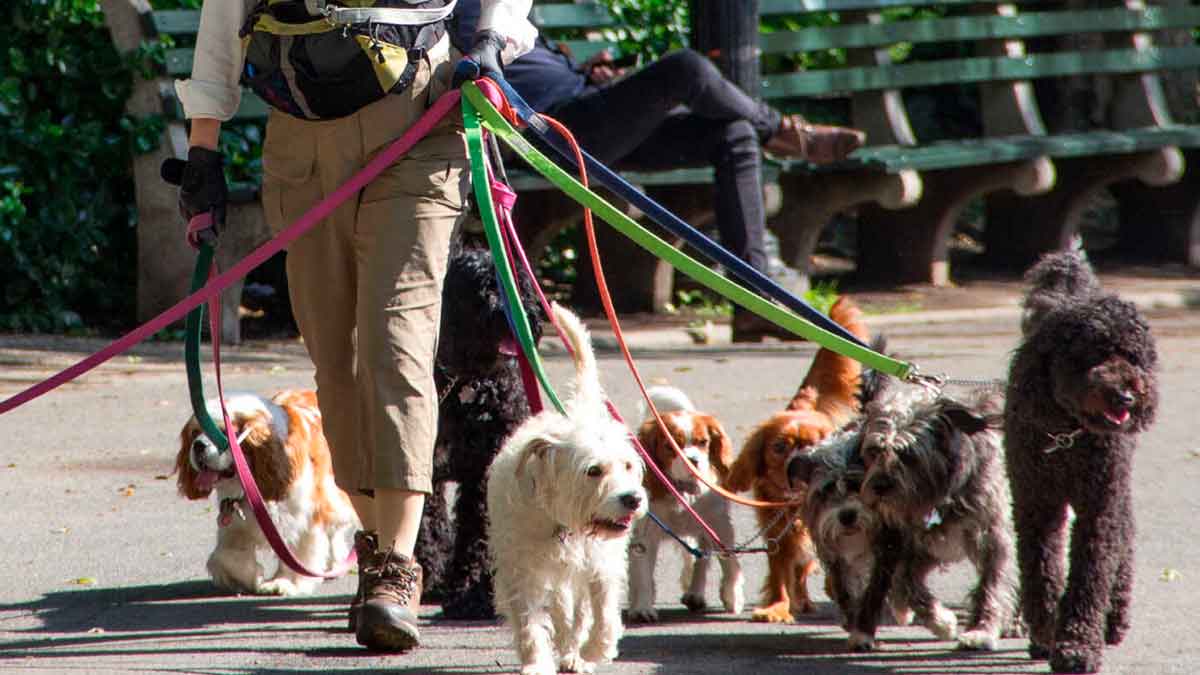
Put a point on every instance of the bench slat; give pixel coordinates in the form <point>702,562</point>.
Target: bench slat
<point>776,7</point>
<point>960,71</point>
<point>176,21</point>
<point>981,151</point>
<point>979,28</point>
<point>566,15</point>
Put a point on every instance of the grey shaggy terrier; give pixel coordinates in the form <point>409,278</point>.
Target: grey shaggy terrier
<point>916,485</point>
<point>858,552</point>
<point>1082,385</point>
<point>934,472</point>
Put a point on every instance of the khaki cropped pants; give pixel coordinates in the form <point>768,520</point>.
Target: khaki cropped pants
<point>366,283</point>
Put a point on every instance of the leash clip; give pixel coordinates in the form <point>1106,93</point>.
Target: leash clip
<point>1062,441</point>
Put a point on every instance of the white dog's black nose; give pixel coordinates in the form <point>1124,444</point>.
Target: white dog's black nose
<point>847,517</point>
<point>631,501</point>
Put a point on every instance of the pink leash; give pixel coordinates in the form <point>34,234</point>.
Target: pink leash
<point>210,293</point>
<point>260,255</point>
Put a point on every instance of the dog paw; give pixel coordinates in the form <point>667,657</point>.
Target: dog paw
<point>979,640</point>
<point>861,642</point>
<point>778,613</point>
<point>694,603</point>
<point>283,587</point>
<point>943,623</point>
<point>902,614</point>
<point>1038,652</point>
<point>598,652</point>
<point>574,663</point>
<point>538,669</point>
<point>732,600</point>
<point>1074,657</point>
<point>645,615</point>
<point>1114,632</point>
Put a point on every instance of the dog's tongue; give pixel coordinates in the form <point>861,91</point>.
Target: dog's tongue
<point>1117,417</point>
<point>205,480</point>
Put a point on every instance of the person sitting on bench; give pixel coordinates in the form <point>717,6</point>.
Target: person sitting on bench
<point>677,111</point>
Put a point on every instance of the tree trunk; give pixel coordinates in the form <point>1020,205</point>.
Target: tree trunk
<point>164,258</point>
<point>727,32</point>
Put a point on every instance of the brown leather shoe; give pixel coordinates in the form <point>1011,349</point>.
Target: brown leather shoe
<point>391,595</point>
<point>817,143</point>
<point>750,327</point>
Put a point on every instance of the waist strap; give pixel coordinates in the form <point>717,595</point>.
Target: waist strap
<point>349,16</point>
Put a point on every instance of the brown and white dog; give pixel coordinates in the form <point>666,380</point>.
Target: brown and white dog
<point>825,402</point>
<point>707,446</point>
<point>285,447</point>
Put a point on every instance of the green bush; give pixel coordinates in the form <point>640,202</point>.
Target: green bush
<point>67,212</point>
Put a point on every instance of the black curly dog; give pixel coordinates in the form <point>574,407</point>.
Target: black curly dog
<point>482,400</point>
<point>1081,387</point>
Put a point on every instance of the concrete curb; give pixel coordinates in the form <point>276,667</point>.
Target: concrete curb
<point>676,338</point>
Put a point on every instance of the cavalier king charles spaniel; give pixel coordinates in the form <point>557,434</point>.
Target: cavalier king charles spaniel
<point>285,448</point>
<point>707,446</point>
<point>826,401</point>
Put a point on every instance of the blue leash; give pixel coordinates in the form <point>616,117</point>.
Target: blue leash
<point>697,553</point>
<point>751,277</point>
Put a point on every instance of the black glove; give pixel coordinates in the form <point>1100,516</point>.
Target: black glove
<point>483,60</point>
<point>202,186</point>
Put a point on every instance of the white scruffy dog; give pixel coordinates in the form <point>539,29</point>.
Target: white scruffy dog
<point>563,494</point>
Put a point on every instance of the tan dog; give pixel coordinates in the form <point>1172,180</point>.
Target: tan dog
<point>827,400</point>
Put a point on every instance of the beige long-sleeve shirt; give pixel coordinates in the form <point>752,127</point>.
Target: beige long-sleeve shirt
<point>213,90</point>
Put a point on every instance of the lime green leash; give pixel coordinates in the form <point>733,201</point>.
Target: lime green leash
<point>477,108</point>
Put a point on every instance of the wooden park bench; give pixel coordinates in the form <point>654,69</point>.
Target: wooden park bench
<point>907,190</point>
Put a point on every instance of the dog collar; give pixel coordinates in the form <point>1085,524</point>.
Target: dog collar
<point>1062,441</point>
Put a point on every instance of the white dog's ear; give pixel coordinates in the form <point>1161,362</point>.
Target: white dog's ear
<point>538,448</point>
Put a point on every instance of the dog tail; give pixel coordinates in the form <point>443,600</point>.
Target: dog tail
<point>665,399</point>
<point>833,382</point>
<point>587,377</point>
<point>1056,279</point>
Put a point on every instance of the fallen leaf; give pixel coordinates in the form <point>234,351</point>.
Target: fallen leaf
<point>60,530</point>
<point>275,370</point>
<point>162,476</point>
<point>84,581</point>
<point>1194,454</point>
<point>133,359</point>
<point>659,380</point>
<point>1170,574</point>
<point>12,466</point>
<point>127,491</point>
<point>682,369</point>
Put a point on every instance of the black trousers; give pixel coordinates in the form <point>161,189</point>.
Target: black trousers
<point>677,112</point>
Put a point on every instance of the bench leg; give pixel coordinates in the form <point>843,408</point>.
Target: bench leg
<point>1161,224</point>
<point>1020,229</point>
<point>810,202</point>
<point>912,245</point>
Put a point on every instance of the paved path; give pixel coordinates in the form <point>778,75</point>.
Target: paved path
<point>104,564</point>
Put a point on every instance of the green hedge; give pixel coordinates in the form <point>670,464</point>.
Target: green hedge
<point>67,212</point>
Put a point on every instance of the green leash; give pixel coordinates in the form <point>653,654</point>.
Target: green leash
<point>491,229</point>
<point>191,352</point>
<point>494,122</point>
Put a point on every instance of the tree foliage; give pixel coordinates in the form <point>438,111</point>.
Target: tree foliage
<point>67,213</point>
